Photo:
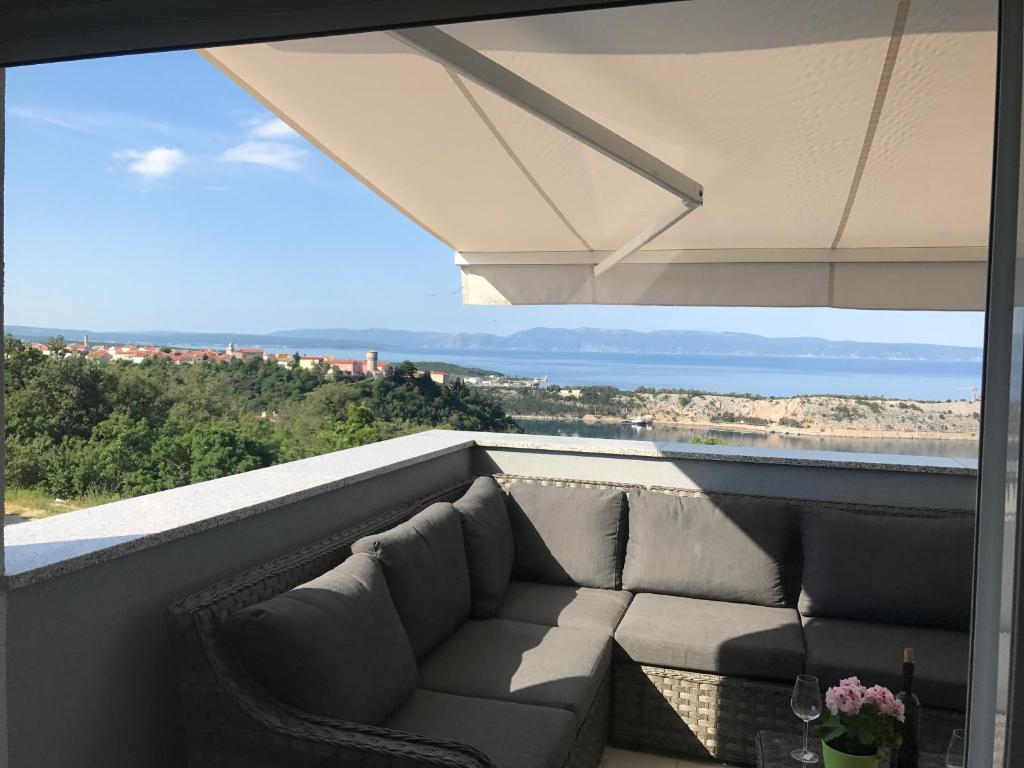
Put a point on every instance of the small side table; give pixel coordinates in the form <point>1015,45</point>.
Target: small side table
<point>774,751</point>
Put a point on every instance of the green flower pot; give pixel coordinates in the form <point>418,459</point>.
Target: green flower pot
<point>833,758</point>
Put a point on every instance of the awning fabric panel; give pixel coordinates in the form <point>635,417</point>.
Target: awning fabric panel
<point>766,104</point>
<point>866,285</point>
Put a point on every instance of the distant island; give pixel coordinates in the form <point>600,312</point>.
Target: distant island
<point>553,340</point>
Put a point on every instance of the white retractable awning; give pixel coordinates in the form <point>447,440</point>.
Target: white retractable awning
<point>706,152</point>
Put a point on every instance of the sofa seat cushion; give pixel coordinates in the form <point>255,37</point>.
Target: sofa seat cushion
<point>520,662</point>
<point>333,646</point>
<point>711,636</point>
<point>425,566</point>
<point>558,606</point>
<point>738,549</point>
<point>892,570</point>
<point>873,652</point>
<point>569,536</point>
<point>489,544</point>
<point>511,735</point>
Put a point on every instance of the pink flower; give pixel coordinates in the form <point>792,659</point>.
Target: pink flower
<point>887,704</point>
<point>847,697</point>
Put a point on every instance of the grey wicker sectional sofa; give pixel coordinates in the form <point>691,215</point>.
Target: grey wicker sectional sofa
<point>522,623</point>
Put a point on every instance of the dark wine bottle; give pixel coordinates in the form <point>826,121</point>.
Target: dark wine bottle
<point>909,753</point>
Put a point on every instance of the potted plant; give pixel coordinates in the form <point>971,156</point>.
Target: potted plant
<point>860,725</point>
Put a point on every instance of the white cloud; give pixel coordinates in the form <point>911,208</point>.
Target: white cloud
<point>272,154</point>
<point>274,128</point>
<point>88,122</point>
<point>152,163</point>
<point>73,121</point>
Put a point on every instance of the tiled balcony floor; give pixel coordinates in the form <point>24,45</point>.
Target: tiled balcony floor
<point>621,758</point>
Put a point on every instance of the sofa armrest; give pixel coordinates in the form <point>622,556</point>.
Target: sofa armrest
<point>232,721</point>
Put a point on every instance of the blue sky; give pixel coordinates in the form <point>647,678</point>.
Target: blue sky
<point>150,192</point>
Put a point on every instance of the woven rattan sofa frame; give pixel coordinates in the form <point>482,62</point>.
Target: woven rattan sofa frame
<point>232,721</point>
<point>713,716</point>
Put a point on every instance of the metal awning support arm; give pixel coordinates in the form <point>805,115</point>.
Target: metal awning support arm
<point>484,71</point>
<point>679,212</point>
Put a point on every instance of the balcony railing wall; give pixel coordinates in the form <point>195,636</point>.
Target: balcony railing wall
<point>906,481</point>
<point>90,670</point>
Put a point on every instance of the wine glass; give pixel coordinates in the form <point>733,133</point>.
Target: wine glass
<point>957,745</point>
<point>806,704</point>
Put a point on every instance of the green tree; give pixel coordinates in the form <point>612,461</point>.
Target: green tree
<point>227,447</point>
<point>357,429</point>
<point>57,345</point>
<point>64,396</point>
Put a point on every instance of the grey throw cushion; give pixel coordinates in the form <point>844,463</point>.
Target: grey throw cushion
<point>567,535</point>
<point>425,565</point>
<point>333,646</point>
<point>489,545</point>
<point>838,649</point>
<point>733,549</point>
<point>911,570</point>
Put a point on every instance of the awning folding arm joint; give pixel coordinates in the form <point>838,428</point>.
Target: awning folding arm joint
<point>487,73</point>
<point>678,213</point>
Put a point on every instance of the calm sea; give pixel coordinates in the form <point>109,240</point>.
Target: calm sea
<point>778,376</point>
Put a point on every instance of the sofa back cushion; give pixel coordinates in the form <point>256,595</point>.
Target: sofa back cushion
<point>568,536</point>
<point>737,550</point>
<point>489,546</point>
<point>333,646</point>
<point>424,562</point>
<point>913,571</point>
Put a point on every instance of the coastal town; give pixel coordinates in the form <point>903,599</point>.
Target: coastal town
<point>367,368</point>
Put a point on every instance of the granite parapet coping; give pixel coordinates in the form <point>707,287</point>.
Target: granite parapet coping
<point>42,549</point>
<point>667,450</point>
<point>49,547</point>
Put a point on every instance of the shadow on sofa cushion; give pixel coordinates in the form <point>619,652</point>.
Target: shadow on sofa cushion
<point>734,549</point>
<point>511,735</point>
<point>711,636</point>
<point>570,536</point>
<point>524,663</point>
<point>874,652</point>
<point>333,646</point>
<point>912,571</point>
<point>425,566</point>
<point>554,605</point>
<point>489,545</point>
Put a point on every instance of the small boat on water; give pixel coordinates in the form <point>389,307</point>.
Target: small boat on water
<point>639,423</point>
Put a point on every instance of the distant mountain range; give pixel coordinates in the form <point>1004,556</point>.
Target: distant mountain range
<point>554,340</point>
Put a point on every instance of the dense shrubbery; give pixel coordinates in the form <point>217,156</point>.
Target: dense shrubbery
<point>78,427</point>
<point>599,401</point>
<point>728,417</point>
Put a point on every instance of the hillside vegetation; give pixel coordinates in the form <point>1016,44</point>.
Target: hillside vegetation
<point>79,428</point>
